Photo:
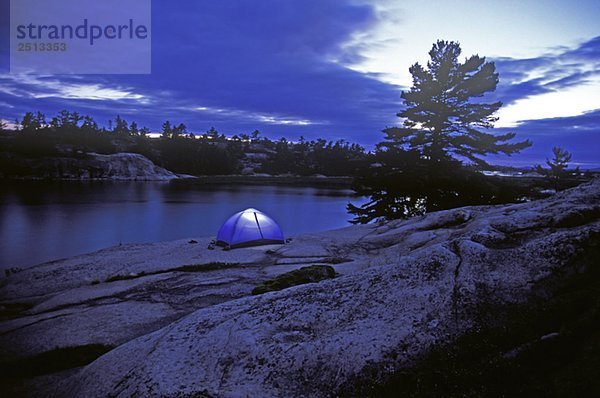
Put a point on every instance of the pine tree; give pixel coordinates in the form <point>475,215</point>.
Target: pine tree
<point>557,172</point>
<point>120,126</point>
<point>89,124</point>
<point>32,122</point>
<point>133,128</point>
<point>179,130</point>
<point>167,130</point>
<point>66,121</point>
<point>441,120</point>
<point>419,165</point>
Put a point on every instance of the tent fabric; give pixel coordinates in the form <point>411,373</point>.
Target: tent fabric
<point>249,228</point>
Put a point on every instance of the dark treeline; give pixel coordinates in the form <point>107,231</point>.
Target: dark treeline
<point>69,134</point>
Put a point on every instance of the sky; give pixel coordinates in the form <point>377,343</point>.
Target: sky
<point>336,68</point>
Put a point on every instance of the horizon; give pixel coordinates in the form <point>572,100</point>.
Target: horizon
<point>335,70</point>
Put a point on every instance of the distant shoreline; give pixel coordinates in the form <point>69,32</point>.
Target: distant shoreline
<point>333,182</point>
<point>338,182</point>
<point>302,181</point>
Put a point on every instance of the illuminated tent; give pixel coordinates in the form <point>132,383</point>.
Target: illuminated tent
<point>250,227</point>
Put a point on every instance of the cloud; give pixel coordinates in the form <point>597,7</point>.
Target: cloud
<point>263,118</point>
<point>588,122</point>
<point>35,87</point>
<point>266,65</point>
<point>561,83</point>
<point>578,134</point>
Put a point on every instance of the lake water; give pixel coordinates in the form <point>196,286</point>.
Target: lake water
<point>42,221</point>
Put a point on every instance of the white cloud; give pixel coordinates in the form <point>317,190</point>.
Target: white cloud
<point>39,86</point>
<point>570,101</point>
<point>278,120</point>
<point>5,104</point>
<point>264,118</point>
<point>563,100</point>
<point>11,125</point>
<point>93,92</point>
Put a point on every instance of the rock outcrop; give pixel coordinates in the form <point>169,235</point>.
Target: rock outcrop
<point>128,166</point>
<point>186,325</point>
<point>118,166</point>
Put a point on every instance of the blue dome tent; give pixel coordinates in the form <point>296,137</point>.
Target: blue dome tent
<point>250,227</point>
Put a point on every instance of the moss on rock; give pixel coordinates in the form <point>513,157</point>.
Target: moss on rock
<point>52,361</point>
<point>310,274</point>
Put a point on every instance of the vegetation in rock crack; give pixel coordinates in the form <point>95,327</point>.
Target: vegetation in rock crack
<point>184,268</point>
<point>13,310</point>
<point>52,361</point>
<point>310,274</point>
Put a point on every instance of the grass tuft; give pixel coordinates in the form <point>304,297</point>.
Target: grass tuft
<point>184,268</point>
<point>13,310</point>
<point>52,361</point>
<point>310,274</point>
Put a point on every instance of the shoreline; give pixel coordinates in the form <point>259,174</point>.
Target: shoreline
<point>338,182</point>
<point>301,181</point>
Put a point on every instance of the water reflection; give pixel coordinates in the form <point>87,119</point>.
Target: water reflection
<point>42,221</point>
